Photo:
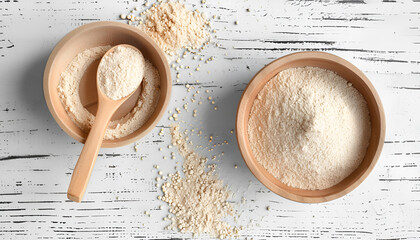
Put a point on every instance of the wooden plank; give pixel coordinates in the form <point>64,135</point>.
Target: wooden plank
<point>37,157</point>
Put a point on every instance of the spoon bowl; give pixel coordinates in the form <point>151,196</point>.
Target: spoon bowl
<point>89,96</point>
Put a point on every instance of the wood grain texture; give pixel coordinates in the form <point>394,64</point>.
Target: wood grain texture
<point>382,38</point>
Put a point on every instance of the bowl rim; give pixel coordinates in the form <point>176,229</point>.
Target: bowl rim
<point>89,27</point>
<point>242,143</point>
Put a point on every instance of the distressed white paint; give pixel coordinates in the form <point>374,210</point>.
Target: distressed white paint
<point>381,38</point>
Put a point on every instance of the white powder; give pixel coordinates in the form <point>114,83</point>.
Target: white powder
<point>173,27</point>
<point>199,200</point>
<point>121,72</point>
<point>309,128</point>
<point>68,90</point>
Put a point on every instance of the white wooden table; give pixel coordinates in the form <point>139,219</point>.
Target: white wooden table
<point>37,157</point>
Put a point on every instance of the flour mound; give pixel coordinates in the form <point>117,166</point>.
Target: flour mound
<point>68,91</point>
<point>309,128</point>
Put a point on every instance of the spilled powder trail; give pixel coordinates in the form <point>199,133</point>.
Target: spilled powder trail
<point>199,199</point>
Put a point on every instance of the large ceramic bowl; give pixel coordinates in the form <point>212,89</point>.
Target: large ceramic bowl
<point>349,72</point>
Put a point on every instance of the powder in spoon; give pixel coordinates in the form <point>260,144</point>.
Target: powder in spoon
<point>121,72</point>
<point>69,86</point>
<point>309,127</point>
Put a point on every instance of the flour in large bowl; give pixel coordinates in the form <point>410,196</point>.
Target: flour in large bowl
<point>309,128</point>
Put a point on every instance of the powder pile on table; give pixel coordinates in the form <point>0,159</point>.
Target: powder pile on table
<point>309,127</point>
<point>173,27</point>
<point>121,72</point>
<point>68,90</point>
<point>199,200</point>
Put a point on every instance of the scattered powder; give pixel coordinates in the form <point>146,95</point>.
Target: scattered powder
<point>121,72</point>
<point>68,90</point>
<point>173,27</point>
<point>199,200</point>
<point>309,128</point>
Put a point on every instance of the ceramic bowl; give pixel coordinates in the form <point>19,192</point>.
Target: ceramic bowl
<point>100,34</point>
<point>349,72</point>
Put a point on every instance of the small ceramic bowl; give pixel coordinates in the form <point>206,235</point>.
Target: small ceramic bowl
<point>101,34</point>
<point>349,72</point>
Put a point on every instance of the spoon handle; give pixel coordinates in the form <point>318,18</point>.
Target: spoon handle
<point>87,158</point>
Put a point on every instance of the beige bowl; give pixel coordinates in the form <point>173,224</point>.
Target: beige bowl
<point>348,72</point>
<point>100,34</point>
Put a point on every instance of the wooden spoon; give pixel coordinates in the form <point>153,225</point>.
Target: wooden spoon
<point>87,158</point>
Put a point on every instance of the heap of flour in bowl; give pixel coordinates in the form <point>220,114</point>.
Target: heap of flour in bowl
<point>68,90</point>
<point>309,128</point>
